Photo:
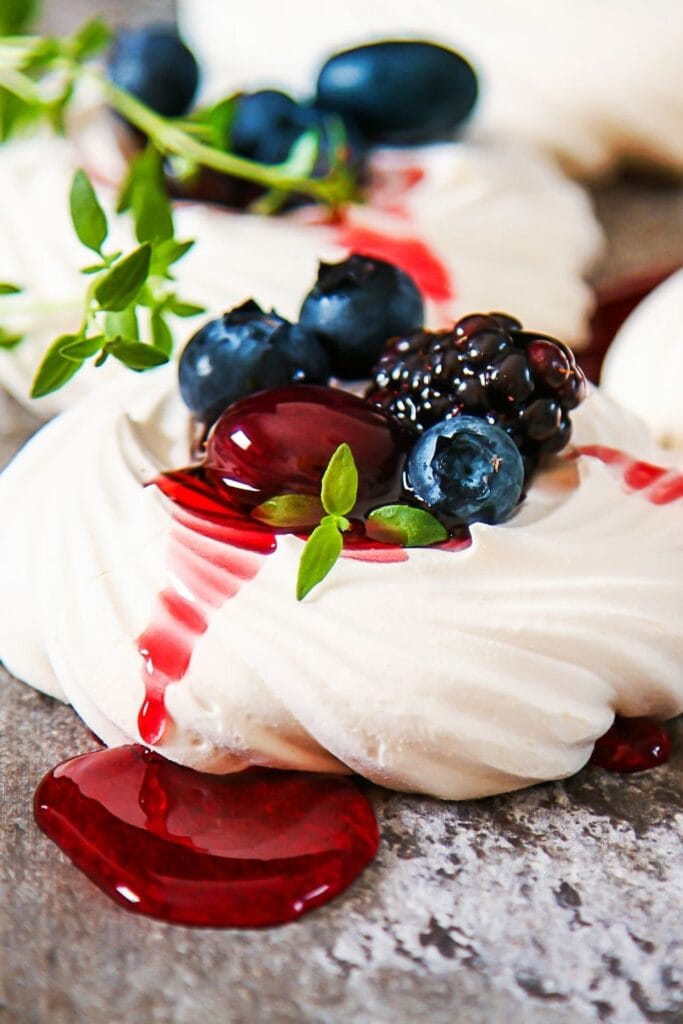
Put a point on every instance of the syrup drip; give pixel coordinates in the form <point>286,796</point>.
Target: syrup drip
<point>254,849</point>
<point>658,485</point>
<point>632,745</point>
<point>412,255</point>
<point>213,551</point>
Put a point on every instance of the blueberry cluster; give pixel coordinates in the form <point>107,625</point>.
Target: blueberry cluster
<point>489,367</point>
<point>391,92</point>
<point>345,321</point>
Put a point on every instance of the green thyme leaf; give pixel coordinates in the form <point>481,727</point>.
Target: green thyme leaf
<point>122,325</point>
<point>82,349</point>
<point>162,338</point>
<point>16,15</point>
<point>9,289</point>
<point>184,309</point>
<point>121,285</point>
<point>89,39</point>
<point>56,369</point>
<point>167,253</point>
<point>8,340</point>
<point>289,510</point>
<point>88,217</point>
<point>303,155</point>
<point>340,483</point>
<point>322,550</point>
<point>135,355</point>
<point>405,525</point>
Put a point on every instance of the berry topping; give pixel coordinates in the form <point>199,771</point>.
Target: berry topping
<point>355,307</point>
<point>230,357</point>
<point>308,361</point>
<point>266,125</point>
<point>466,470</point>
<point>488,367</point>
<point>281,441</point>
<point>154,65</point>
<point>399,92</point>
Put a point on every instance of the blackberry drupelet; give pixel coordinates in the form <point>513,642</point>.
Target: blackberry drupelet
<point>485,366</point>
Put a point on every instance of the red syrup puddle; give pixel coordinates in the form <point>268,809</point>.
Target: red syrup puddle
<point>614,304</point>
<point>214,550</point>
<point>249,850</point>
<point>632,745</point>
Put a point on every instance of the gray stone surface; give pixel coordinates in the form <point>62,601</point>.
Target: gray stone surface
<point>559,905</point>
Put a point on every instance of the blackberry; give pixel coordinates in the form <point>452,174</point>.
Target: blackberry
<point>485,366</point>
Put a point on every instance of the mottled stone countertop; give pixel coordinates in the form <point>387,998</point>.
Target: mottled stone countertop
<point>559,905</point>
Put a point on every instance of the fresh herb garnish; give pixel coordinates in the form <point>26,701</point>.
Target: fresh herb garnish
<point>405,525</point>
<point>338,495</point>
<point>123,285</point>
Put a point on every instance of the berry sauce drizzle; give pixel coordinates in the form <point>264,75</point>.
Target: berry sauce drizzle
<point>214,550</point>
<point>635,744</point>
<point>412,255</point>
<point>249,850</point>
<point>632,745</point>
<point>660,486</point>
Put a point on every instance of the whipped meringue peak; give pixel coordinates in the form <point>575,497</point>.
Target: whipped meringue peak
<point>462,672</point>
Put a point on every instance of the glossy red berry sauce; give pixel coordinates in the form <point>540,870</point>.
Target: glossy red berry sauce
<point>632,745</point>
<point>253,849</point>
<point>658,484</point>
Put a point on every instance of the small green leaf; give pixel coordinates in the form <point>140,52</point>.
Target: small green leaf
<point>90,38</point>
<point>167,253</point>
<point>55,369</point>
<point>9,341</point>
<point>340,483</point>
<point>162,337</point>
<point>88,217</point>
<point>16,15</point>
<point>122,325</point>
<point>144,193</point>
<point>9,289</point>
<point>185,309</point>
<point>82,349</point>
<point>289,510</point>
<point>121,285</point>
<point>405,525</point>
<point>303,155</point>
<point>93,268</point>
<point>135,355</point>
<point>322,550</point>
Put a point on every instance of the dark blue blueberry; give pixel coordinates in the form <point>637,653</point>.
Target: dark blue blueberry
<point>246,350</point>
<point>399,92</point>
<point>467,470</point>
<point>308,360</point>
<point>355,307</point>
<point>231,357</point>
<point>154,64</point>
<point>266,125</point>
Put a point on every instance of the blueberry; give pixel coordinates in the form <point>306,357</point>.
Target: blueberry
<point>399,92</point>
<point>266,125</point>
<point>308,360</point>
<point>355,307</point>
<point>154,65</point>
<point>231,357</point>
<point>467,470</point>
